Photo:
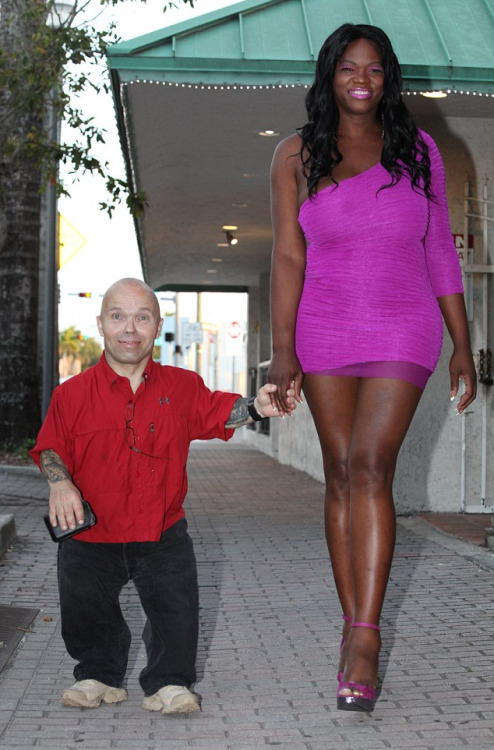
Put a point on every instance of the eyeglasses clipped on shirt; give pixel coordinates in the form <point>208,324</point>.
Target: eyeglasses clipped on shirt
<point>131,436</point>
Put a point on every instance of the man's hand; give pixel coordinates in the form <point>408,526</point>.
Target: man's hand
<point>65,508</point>
<point>264,402</point>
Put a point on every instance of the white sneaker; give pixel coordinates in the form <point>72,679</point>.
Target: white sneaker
<point>172,699</point>
<point>90,693</point>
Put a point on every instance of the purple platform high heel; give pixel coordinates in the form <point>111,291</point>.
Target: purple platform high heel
<point>365,698</point>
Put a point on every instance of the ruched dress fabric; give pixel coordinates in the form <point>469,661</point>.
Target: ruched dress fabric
<point>377,260</point>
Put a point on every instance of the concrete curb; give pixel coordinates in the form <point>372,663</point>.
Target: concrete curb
<point>481,556</point>
<point>28,471</point>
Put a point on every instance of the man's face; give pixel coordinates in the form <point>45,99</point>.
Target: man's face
<point>129,323</point>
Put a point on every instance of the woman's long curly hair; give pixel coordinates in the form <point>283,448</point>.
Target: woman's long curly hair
<point>404,151</point>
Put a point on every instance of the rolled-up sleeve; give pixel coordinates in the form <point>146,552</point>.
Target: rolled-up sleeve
<point>55,435</point>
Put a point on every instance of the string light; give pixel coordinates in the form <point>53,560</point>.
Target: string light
<point>220,87</point>
<point>277,86</point>
<point>448,91</point>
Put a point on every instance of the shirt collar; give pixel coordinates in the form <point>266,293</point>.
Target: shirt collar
<point>113,377</point>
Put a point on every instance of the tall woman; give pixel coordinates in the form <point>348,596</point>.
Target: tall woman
<point>364,270</point>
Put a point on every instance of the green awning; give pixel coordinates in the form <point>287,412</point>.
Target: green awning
<point>441,44</point>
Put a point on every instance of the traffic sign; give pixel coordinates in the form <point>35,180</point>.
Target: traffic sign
<point>234,330</point>
<point>191,333</point>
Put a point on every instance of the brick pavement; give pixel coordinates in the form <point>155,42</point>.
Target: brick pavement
<point>270,628</point>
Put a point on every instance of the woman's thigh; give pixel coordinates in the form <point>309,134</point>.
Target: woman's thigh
<point>383,414</point>
<point>332,402</point>
<point>356,417</point>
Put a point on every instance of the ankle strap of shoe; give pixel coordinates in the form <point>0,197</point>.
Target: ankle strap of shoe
<point>366,625</point>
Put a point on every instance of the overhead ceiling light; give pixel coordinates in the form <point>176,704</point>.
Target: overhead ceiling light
<point>222,244</point>
<point>434,94</point>
<point>231,239</point>
<point>211,270</point>
<point>229,228</point>
<point>216,260</point>
<point>268,133</point>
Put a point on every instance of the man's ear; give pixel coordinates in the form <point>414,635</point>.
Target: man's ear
<point>98,323</point>
<point>158,330</point>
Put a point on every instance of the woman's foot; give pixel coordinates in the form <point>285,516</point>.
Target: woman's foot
<point>357,688</point>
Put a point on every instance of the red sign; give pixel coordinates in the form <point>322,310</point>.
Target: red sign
<point>234,330</point>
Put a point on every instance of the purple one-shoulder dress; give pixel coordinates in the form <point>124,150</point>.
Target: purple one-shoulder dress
<point>377,260</point>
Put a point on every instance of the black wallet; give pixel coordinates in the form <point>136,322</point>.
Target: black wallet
<point>58,535</point>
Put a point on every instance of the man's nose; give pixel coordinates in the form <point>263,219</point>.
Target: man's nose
<point>130,325</point>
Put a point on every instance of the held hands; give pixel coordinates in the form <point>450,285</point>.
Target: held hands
<point>264,401</point>
<point>461,367</point>
<point>65,508</point>
<point>286,373</point>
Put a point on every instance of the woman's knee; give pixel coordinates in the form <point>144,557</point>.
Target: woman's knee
<point>372,470</point>
<point>336,473</point>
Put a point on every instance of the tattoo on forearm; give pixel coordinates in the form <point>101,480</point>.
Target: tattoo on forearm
<point>239,414</point>
<point>53,467</point>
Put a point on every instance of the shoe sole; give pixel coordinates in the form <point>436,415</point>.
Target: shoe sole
<point>80,701</point>
<point>150,703</point>
<point>354,703</point>
<point>189,707</point>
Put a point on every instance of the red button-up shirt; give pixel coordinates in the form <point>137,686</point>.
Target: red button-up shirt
<point>127,452</point>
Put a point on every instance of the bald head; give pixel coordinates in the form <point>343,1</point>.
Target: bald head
<point>129,323</point>
<point>127,288</point>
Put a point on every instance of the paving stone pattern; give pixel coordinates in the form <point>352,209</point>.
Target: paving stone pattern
<point>270,629</point>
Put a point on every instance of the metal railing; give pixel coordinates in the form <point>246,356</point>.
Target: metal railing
<point>257,378</point>
<point>262,375</point>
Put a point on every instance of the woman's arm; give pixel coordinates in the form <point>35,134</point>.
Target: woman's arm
<point>445,275</point>
<point>461,365</point>
<point>287,271</point>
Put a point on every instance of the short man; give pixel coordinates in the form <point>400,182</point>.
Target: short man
<point>118,436</point>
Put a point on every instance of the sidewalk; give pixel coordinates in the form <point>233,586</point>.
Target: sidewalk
<point>270,628</point>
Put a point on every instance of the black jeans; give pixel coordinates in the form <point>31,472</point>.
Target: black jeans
<point>90,578</point>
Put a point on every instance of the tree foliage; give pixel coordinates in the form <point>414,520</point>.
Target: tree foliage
<point>45,57</point>
<point>72,344</point>
<point>69,342</point>
<point>44,62</point>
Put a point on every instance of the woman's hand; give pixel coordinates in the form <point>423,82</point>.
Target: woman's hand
<point>462,367</point>
<point>285,372</point>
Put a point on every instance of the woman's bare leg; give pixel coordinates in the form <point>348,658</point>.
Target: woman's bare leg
<point>332,401</point>
<point>370,419</point>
